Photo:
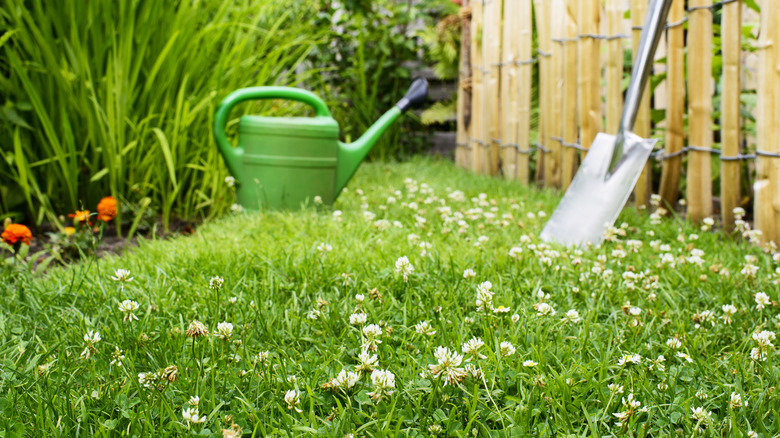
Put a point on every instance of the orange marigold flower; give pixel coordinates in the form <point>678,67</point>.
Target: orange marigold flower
<point>107,208</point>
<point>15,233</point>
<point>80,216</point>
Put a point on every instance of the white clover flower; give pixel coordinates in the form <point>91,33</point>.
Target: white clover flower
<point>122,276</point>
<point>544,309</point>
<point>318,200</point>
<point>484,296</point>
<point>372,331</point>
<point>384,383</point>
<point>614,388</point>
<point>529,364</point>
<point>736,400</point>
<point>337,215</point>
<point>403,267</point>
<point>236,208</point>
<point>191,416</point>
<point>469,274</point>
<point>507,349</point>
<point>117,357</point>
<point>358,318</point>
<point>230,181</point>
<point>448,366</point>
<point>515,318</point>
<point>128,307</point>
<point>673,343</point>
<point>764,339</point>
<point>216,282</point>
<point>367,362</point>
<point>472,347</point>
<point>573,316</point>
<point>728,311</point>
<point>224,331</point>
<point>324,248</point>
<point>424,328</point>
<point>752,434</point>
<point>762,300</point>
<point>313,315</point>
<point>515,252</point>
<point>699,414</point>
<point>194,401</point>
<point>749,270</point>
<point>346,379</point>
<point>293,399</point>
<point>92,337</point>
<point>262,357</point>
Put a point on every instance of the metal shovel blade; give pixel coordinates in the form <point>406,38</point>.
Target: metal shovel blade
<point>594,200</point>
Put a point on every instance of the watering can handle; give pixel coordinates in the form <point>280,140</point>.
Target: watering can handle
<point>233,155</point>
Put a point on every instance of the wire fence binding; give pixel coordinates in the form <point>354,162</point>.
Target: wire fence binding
<point>604,37</point>
<point>661,156</point>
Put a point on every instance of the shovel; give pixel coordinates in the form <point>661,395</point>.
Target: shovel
<point>613,164</point>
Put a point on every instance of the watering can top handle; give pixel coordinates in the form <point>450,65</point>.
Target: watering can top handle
<point>259,93</point>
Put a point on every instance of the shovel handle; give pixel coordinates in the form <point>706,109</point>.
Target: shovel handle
<point>643,63</point>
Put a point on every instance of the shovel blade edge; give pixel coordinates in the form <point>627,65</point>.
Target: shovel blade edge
<point>593,201</point>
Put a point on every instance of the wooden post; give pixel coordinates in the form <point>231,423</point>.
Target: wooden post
<point>510,89</point>
<point>731,40</point>
<point>492,52</point>
<point>526,76</point>
<point>699,177</point>
<point>642,126</point>
<point>590,72</point>
<point>569,101</point>
<point>477,139</point>
<point>542,13</point>
<point>675,106</point>
<point>767,185</point>
<point>464,90</point>
<point>552,171</point>
<point>614,15</point>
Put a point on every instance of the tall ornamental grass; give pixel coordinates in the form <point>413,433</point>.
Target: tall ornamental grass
<point>116,97</point>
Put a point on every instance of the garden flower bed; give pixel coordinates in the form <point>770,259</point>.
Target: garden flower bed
<point>421,304</point>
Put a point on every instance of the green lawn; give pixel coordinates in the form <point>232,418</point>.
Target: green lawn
<point>629,339</point>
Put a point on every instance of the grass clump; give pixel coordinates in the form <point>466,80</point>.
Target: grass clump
<point>422,304</point>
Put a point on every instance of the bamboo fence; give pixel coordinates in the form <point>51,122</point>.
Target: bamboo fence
<point>576,50</point>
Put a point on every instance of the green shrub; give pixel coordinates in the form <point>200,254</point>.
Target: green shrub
<point>117,97</point>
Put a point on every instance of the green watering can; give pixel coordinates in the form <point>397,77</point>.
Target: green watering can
<point>281,162</point>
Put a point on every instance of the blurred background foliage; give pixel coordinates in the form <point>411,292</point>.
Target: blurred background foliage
<point>117,97</point>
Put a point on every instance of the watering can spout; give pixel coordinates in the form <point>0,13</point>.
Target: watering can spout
<point>350,155</point>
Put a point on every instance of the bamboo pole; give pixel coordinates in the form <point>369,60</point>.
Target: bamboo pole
<point>542,13</point>
<point>477,139</point>
<point>569,101</point>
<point>492,53</point>
<point>731,40</point>
<point>614,14</point>
<point>699,177</point>
<point>464,90</point>
<point>510,89</point>
<point>767,185</point>
<point>642,126</point>
<point>552,171</point>
<point>590,72</point>
<point>675,105</point>
<point>526,76</point>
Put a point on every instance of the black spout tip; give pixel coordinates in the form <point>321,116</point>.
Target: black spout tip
<point>415,96</point>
